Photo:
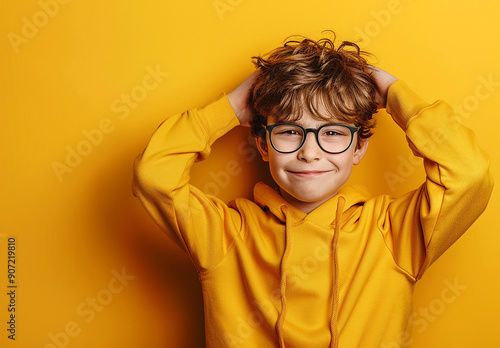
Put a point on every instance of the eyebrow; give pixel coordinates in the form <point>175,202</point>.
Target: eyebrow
<point>326,118</point>
<point>317,126</point>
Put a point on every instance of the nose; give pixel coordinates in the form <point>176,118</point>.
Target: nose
<point>310,150</point>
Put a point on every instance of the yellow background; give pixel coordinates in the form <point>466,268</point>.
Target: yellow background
<point>64,77</point>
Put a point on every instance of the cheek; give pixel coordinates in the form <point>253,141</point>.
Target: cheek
<point>275,160</point>
<point>343,160</point>
<point>277,164</point>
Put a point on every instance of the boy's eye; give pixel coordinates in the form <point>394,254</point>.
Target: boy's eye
<point>334,132</point>
<point>290,131</point>
<point>331,133</point>
<point>287,130</point>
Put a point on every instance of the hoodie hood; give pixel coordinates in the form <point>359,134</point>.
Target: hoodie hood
<point>324,215</point>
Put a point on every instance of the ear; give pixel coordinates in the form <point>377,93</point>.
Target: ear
<point>262,146</point>
<point>360,151</point>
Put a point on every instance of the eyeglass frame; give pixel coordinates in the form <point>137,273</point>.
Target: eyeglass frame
<point>352,129</point>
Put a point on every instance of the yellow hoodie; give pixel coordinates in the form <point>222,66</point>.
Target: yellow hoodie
<point>340,276</point>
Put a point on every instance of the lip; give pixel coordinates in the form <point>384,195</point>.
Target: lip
<point>309,173</point>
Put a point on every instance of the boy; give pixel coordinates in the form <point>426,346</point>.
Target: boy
<point>313,264</point>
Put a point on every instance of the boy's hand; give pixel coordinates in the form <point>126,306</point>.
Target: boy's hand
<point>383,80</point>
<point>239,100</point>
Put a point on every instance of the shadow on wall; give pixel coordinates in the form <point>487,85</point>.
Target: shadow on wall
<point>168,283</point>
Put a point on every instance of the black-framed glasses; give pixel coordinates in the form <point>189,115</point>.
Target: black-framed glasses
<point>332,137</point>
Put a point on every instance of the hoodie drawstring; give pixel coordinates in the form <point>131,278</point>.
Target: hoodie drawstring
<point>284,259</point>
<point>335,291</point>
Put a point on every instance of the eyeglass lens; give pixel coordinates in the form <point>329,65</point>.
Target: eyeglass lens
<point>332,138</point>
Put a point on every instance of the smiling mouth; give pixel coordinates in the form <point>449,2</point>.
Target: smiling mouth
<point>309,174</point>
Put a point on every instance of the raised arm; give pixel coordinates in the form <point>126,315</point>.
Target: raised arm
<point>419,226</point>
<point>201,224</point>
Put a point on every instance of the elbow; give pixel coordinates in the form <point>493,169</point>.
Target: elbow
<point>150,180</point>
<point>480,183</point>
<point>143,178</point>
<point>486,184</point>
<point>138,177</point>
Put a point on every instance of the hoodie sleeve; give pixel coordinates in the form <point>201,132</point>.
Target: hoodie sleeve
<point>419,226</point>
<point>201,224</point>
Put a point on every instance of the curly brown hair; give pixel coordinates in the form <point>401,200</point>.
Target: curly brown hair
<point>314,75</point>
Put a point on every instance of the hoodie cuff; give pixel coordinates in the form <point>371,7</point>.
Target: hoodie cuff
<point>218,118</point>
<point>403,104</point>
